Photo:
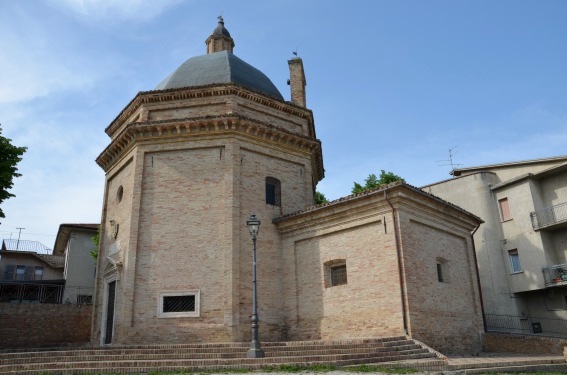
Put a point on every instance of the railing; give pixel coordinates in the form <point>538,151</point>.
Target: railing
<point>549,216</point>
<point>555,327</point>
<point>555,275</point>
<point>44,293</point>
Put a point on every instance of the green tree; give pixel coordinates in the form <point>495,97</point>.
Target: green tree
<point>96,242</point>
<point>372,182</point>
<point>320,198</point>
<point>10,156</point>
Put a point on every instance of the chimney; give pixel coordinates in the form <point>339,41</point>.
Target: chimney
<point>297,81</point>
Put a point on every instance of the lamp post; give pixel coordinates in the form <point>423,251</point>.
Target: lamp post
<point>255,350</point>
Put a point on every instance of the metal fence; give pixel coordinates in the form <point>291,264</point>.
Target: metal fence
<point>556,327</point>
<point>45,293</point>
<point>549,215</point>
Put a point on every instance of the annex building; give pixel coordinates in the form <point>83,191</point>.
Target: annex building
<point>215,142</point>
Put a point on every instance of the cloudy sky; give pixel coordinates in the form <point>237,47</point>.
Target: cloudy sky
<point>393,85</point>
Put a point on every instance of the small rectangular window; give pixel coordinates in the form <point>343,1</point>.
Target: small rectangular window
<point>178,304</point>
<point>504,209</point>
<point>273,191</point>
<point>338,275</point>
<point>515,264</point>
<point>439,272</point>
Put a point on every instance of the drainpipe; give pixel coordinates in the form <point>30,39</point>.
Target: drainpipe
<point>478,277</point>
<point>400,268</point>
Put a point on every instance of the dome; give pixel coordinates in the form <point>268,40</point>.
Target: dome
<point>220,29</point>
<point>219,67</point>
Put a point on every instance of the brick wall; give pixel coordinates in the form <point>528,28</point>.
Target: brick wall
<point>508,343</point>
<point>41,325</point>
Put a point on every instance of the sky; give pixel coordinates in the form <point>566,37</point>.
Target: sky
<point>393,85</point>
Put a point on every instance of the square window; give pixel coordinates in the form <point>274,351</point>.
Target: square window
<point>10,272</point>
<point>505,214</point>
<point>179,304</point>
<point>515,264</point>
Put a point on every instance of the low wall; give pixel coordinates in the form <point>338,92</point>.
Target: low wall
<point>40,325</point>
<point>509,343</point>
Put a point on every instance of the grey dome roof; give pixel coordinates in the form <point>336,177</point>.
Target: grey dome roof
<point>219,67</point>
<point>220,29</point>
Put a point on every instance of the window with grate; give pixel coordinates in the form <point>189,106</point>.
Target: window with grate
<point>338,275</point>
<point>178,304</point>
<point>273,191</point>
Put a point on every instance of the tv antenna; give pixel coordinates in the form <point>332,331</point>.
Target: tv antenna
<point>449,161</point>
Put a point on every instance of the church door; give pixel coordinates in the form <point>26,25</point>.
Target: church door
<point>110,312</point>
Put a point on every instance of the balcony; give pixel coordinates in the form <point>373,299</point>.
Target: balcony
<point>549,216</point>
<point>555,275</point>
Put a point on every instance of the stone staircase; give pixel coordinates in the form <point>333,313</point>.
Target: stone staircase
<point>214,356</point>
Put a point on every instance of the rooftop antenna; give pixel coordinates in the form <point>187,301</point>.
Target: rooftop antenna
<point>450,160</point>
<point>18,242</point>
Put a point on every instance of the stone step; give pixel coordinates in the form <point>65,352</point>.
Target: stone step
<point>555,367</point>
<point>510,363</point>
<point>241,348</point>
<point>82,357</point>
<point>200,364</point>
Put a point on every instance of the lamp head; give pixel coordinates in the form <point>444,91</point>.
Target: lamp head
<point>253,225</point>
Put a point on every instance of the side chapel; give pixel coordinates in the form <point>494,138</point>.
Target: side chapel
<point>214,142</point>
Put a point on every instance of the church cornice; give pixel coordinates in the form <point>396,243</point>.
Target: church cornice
<point>157,96</point>
<point>209,125</point>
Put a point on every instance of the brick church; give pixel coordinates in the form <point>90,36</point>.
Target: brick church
<point>214,142</point>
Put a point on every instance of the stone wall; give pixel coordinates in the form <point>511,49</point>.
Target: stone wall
<point>42,325</point>
<point>508,343</point>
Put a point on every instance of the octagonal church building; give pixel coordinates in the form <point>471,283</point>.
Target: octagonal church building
<point>215,142</point>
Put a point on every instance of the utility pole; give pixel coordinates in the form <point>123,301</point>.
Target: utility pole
<point>18,243</point>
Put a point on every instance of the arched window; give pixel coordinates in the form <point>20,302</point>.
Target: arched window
<point>273,191</point>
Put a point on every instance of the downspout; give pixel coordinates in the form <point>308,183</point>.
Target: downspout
<point>478,278</point>
<point>400,269</point>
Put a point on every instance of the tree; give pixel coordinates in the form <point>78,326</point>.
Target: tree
<point>320,198</point>
<point>372,182</point>
<point>10,156</point>
<point>96,241</point>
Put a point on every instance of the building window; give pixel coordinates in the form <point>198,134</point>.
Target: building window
<point>439,272</point>
<point>10,272</point>
<point>20,272</point>
<point>442,267</point>
<point>505,214</point>
<point>338,275</point>
<point>179,304</point>
<point>38,275</point>
<point>273,191</point>
<point>515,265</point>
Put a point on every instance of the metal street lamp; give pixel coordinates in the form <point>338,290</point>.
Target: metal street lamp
<point>255,350</point>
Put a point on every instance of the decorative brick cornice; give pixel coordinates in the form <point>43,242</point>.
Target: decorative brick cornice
<point>210,125</point>
<point>185,93</point>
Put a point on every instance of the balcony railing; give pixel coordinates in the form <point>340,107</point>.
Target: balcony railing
<point>555,275</point>
<point>549,216</point>
<point>45,292</point>
<point>544,326</point>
